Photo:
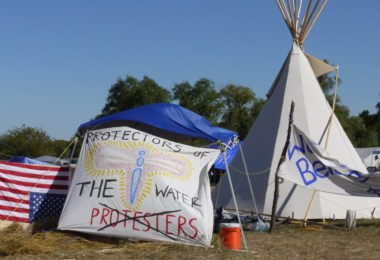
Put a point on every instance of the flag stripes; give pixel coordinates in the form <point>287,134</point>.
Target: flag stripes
<point>18,181</point>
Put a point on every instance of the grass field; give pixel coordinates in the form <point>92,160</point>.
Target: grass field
<point>288,241</point>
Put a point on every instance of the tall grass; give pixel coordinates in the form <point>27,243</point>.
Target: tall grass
<point>289,241</point>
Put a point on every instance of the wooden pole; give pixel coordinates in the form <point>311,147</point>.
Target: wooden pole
<point>333,107</point>
<point>305,18</point>
<point>276,177</point>
<point>315,19</point>
<point>285,14</point>
<point>327,140</point>
<point>309,207</point>
<point>308,20</point>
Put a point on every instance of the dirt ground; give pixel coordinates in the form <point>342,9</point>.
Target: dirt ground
<point>288,241</point>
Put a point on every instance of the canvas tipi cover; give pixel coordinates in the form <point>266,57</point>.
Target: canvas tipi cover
<point>296,82</point>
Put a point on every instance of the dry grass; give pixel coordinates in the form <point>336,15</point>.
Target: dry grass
<point>289,241</point>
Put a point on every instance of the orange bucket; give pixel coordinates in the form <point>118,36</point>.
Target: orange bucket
<point>230,235</point>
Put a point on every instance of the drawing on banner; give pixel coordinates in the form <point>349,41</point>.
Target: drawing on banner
<point>136,163</point>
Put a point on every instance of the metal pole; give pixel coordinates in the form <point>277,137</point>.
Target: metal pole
<point>249,181</point>
<point>234,199</point>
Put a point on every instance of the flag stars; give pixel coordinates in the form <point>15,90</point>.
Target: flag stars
<point>45,205</point>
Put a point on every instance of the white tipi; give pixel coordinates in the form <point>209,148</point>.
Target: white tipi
<point>296,82</point>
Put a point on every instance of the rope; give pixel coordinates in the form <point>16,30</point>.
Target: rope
<point>208,145</point>
<point>250,173</point>
<point>42,177</point>
<point>64,151</point>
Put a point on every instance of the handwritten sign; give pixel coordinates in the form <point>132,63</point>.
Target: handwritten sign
<point>135,185</point>
<point>308,164</point>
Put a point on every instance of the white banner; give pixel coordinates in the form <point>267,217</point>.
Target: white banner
<point>135,185</point>
<point>309,165</point>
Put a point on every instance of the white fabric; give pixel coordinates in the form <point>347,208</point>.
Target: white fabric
<point>308,164</point>
<point>134,185</point>
<point>319,67</point>
<point>265,141</point>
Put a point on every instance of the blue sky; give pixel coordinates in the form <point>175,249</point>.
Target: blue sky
<point>59,58</point>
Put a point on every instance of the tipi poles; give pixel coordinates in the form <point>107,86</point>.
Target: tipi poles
<point>314,19</point>
<point>234,198</point>
<point>276,177</point>
<point>291,12</point>
<point>286,15</point>
<point>249,181</point>
<point>298,14</point>
<point>309,207</point>
<point>333,106</point>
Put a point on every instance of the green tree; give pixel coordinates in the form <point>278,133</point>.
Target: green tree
<point>327,83</point>
<point>59,146</point>
<point>372,122</point>
<point>25,141</point>
<point>356,127</point>
<point>241,108</point>
<point>202,98</point>
<point>131,93</point>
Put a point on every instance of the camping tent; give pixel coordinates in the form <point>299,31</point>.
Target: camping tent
<point>132,182</point>
<point>370,156</point>
<point>296,82</point>
<point>24,159</point>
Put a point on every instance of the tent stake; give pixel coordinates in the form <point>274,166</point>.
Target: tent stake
<point>276,177</point>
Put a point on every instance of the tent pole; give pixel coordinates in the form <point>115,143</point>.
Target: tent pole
<point>249,181</point>
<point>276,177</point>
<point>309,207</point>
<point>234,199</point>
<point>333,106</point>
<point>327,138</point>
<point>73,150</point>
<point>315,19</point>
<point>71,158</point>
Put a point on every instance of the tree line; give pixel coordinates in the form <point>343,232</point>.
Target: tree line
<point>232,106</point>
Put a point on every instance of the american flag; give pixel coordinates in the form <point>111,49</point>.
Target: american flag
<point>31,192</point>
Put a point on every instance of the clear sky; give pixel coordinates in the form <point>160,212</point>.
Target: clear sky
<point>58,59</point>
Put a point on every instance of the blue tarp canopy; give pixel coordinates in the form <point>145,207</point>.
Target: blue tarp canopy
<point>27,160</point>
<point>165,120</point>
